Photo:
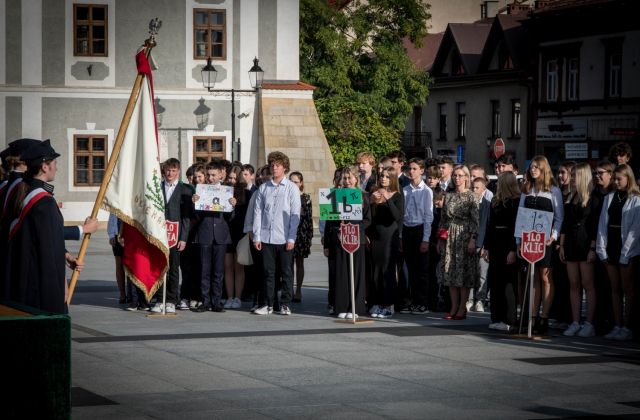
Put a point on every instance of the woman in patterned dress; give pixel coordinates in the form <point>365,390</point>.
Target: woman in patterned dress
<point>305,233</point>
<point>457,242</point>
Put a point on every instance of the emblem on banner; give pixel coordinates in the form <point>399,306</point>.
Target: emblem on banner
<point>350,237</point>
<point>172,233</point>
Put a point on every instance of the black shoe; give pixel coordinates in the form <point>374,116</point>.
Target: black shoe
<point>132,307</point>
<point>201,309</point>
<point>218,308</point>
<point>543,329</point>
<point>535,329</point>
<point>406,309</point>
<point>419,310</point>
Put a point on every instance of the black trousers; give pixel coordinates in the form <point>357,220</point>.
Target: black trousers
<point>190,268</point>
<point>504,288</point>
<point>212,260</point>
<point>173,277</point>
<point>417,264</point>
<point>276,256</point>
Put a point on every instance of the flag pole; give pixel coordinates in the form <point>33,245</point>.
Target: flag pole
<point>135,91</point>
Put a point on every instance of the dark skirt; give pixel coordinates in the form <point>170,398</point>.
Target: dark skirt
<point>614,244</point>
<point>576,245</point>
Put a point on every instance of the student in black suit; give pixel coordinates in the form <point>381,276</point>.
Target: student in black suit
<point>212,236</point>
<point>177,201</point>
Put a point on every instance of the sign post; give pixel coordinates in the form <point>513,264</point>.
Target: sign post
<point>532,251</point>
<point>350,241</point>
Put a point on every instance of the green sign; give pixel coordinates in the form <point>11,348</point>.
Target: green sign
<point>340,204</point>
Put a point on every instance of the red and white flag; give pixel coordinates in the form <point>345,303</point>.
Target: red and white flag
<point>135,193</point>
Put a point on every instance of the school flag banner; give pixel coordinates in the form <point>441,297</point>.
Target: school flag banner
<point>134,193</point>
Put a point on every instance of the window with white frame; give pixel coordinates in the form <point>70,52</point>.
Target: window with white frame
<point>495,119</point>
<point>442,118</point>
<point>462,120</point>
<point>615,74</point>
<point>206,148</point>
<point>209,34</point>
<point>89,159</point>
<point>552,80</point>
<point>572,79</point>
<point>90,30</point>
<point>515,117</point>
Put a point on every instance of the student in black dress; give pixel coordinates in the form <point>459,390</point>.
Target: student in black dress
<point>540,193</point>
<point>618,243</point>
<point>500,250</point>
<point>343,285</point>
<point>387,210</point>
<point>561,307</point>
<point>233,271</point>
<point>578,245</point>
<point>603,185</point>
<point>330,239</point>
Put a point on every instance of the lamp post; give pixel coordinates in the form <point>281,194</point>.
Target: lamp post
<point>209,76</point>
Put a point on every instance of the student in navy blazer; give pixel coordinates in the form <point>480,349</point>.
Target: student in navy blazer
<point>212,236</point>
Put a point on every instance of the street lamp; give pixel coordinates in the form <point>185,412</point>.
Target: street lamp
<point>209,76</point>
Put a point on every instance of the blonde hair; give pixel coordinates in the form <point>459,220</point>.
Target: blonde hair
<point>465,170</point>
<point>508,189</point>
<point>582,183</point>
<point>544,182</point>
<point>353,170</point>
<point>632,187</point>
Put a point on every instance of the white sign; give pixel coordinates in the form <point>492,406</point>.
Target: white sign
<point>533,220</point>
<point>214,198</point>
<point>564,129</point>
<point>576,151</point>
<point>340,204</point>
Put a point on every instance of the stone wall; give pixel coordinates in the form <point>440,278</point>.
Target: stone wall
<point>292,126</point>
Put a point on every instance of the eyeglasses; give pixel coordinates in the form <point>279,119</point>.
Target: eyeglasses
<point>600,173</point>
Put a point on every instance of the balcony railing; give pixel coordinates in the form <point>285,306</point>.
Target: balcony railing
<point>416,139</point>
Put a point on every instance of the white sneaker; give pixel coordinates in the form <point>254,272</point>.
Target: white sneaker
<point>264,310</point>
<point>493,325</point>
<point>183,305</point>
<point>469,306</point>
<point>193,304</point>
<point>374,310</point>
<point>587,330</point>
<point>501,326</point>
<point>157,308</point>
<point>624,334</point>
<point>284,310</point>
<point>385,313</point>
<point>237,303</point>
<point>572,330</point>
<point>228,304</point>
<point>377,312</point>
<point>253,308</point>
<point>342,315</point>
<point>478,307</point>
<point>613,333</point>
<point>171,308</point>
<point>350,315</point>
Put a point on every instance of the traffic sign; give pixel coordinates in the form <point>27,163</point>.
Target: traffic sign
<point>340,204</point>
<point>350,237</point>
<point>533,246</point>
<point>499,147</point>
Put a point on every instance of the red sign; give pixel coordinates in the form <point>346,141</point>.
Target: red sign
<point>499,147</point>
<point>533,246</point>
<point>350,237</point>
<point>172,233</point>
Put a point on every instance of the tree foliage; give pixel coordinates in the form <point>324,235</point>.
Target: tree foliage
<point>366,84</point>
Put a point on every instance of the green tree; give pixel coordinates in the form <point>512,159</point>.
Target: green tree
<point>367,86</point>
